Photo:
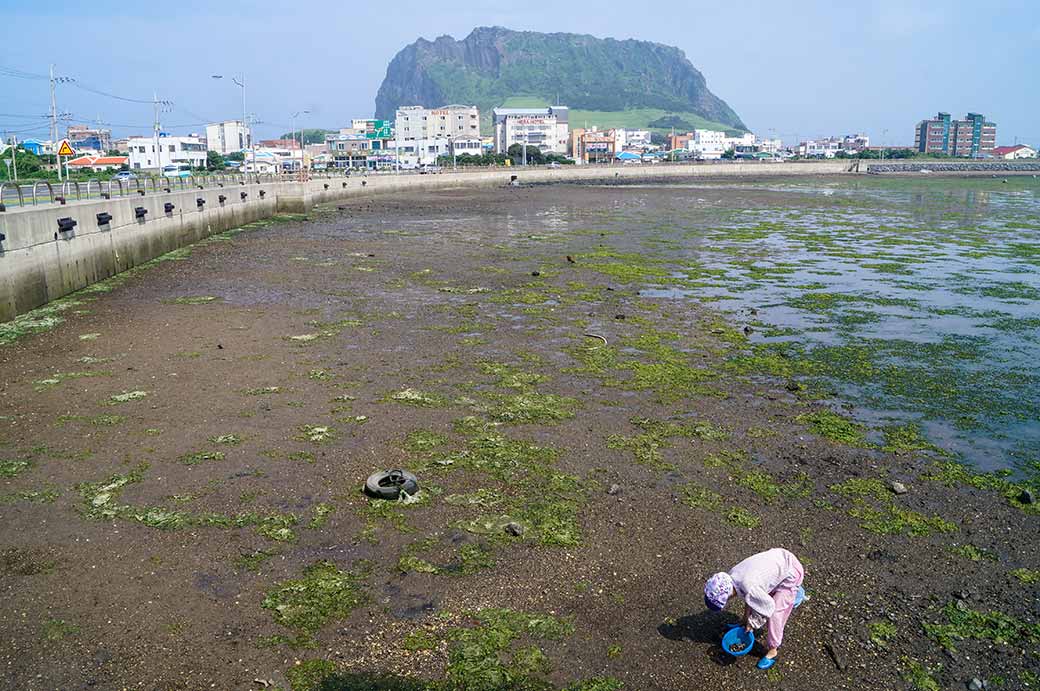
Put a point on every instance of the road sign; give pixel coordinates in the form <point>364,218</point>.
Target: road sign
<point>65,149</point>
<point>377,129</point>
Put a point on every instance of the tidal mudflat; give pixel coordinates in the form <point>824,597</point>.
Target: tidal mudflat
<point>607,394</point>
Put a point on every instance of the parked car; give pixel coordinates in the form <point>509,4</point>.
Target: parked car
<point>176,172</point>
<point>554,164</point>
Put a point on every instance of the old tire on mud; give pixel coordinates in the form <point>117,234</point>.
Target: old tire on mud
<point>389,484</point>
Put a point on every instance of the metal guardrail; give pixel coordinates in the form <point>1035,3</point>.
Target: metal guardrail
<point>43,192</point>
<point>13,195</point>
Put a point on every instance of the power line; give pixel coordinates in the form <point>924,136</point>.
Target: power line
<point>194,115</point>
<point>76,83</point>
<point>20,74</point>
<point>34,128</point>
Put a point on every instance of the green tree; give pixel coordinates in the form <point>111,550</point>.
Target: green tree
<point>729,154</point>
<point>214,161</point>
<point>310,136</point>
<point>534,155</point>
<point>237,156</point>
<point>29,165</point>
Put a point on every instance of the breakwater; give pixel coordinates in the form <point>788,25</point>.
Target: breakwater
<point>956,167</point>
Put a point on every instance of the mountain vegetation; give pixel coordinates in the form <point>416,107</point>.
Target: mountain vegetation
<point>597,78</point>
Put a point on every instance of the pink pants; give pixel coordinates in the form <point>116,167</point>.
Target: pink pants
<point>783,598</point>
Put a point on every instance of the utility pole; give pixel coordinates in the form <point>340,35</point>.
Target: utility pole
<point>293,136</point>
<point>54,124</point>
<point>14,155</point>
<point>155,133</point>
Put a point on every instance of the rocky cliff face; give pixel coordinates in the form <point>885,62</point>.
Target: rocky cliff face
<point>583,72</point>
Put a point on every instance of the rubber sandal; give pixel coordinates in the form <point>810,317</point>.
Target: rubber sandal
<point>766,662</point>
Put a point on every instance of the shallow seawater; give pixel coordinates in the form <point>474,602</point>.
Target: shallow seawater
<point>915,300</point>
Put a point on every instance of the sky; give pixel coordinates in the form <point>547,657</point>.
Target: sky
<point>789,69</point>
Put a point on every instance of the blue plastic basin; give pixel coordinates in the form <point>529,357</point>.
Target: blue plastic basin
<point>736,635</point>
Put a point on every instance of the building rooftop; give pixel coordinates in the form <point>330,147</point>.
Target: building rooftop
<point>99,161</point>
<point>1002,150</point>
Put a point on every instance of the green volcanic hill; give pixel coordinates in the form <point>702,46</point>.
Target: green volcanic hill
<point>605,82</point>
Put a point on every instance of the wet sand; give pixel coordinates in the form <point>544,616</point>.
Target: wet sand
<point>143,533</point>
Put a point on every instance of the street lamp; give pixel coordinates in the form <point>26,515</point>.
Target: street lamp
<point>241,83</point>
<point>292,123</point>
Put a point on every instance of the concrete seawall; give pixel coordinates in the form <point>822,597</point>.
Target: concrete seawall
<point>39,262</point>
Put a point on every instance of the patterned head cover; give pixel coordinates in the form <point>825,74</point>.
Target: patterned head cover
<point>717,590</point>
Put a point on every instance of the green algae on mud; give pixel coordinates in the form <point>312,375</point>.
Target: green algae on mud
<point>323,593</point>
<point>510,515</point>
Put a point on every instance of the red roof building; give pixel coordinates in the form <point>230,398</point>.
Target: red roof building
<point>98,163</point>
<point>1013,152</point>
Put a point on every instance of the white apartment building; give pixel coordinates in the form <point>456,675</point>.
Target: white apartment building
<point>416,122</point>
<point>177,151</point>
<point>546,128</point>
<point>466,145</point>
<point>855,142</point>
<point>419,152</point>
<point>227,137</point>
<point>743,142</point>
<point>830,146</point>
<point>708,144</point>
<point>770,146</point>
<point>634,139</point>
<point>820,148</point>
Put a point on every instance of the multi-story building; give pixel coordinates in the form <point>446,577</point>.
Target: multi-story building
<point>634,139</point>
<point>348,149</point>
<point>466,145</point>
<point>851,143</point>
<point>770,146</point>
<point>362,145</point>
<point>742,143</point>
<point>820,148</point>
<point>546,128</point>
<point>177,151</point>
<point>971,137</point>
<point>829,147</point>
<point>228,136</point>
<point>37,147</point>
<point>83,137</point>
<point>416,122</point>
<point>680,142</point>
<point>593,145</point>
<point>708,144</point>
